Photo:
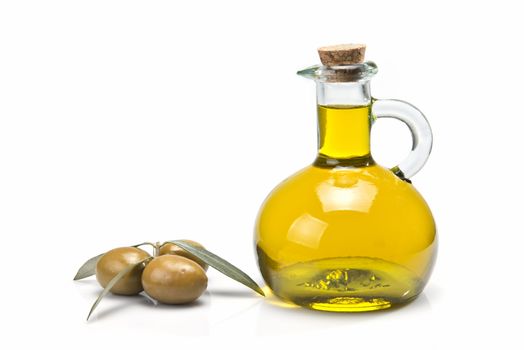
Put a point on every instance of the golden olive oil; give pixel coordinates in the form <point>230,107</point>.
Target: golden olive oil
<point>343,131</point>
<point>345,234</point>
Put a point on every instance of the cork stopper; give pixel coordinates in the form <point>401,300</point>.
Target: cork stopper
<point>337,55</point>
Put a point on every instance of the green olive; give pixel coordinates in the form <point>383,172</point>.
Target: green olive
<point>114,261</point>
<point>173,279</point>
<point>170,248</point>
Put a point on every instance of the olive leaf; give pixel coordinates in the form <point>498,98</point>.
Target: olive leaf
<point>220,264</point>
<point>114,281</point>
<point>88,268</point>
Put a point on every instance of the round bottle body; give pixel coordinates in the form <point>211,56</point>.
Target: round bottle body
<point>345,239</point>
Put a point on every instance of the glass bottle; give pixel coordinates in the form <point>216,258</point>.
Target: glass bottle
<point>345,234</point>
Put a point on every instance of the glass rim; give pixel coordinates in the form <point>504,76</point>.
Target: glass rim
<point>340,74</point>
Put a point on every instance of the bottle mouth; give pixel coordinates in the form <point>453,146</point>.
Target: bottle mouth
<point>340,74</point>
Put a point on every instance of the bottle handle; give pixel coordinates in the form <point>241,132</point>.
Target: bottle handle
<point>420,131</point>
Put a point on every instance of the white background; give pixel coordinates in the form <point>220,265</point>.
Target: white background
<point>125,121</point>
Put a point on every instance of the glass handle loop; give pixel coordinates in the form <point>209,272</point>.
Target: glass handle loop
<point>419,128</point>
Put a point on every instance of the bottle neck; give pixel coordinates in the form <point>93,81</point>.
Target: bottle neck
<point>344,124</point>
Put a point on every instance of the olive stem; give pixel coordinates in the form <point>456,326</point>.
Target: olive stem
<point>147,243</point>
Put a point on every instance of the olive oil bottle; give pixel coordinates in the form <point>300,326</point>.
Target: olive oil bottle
<point>346,234</point>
